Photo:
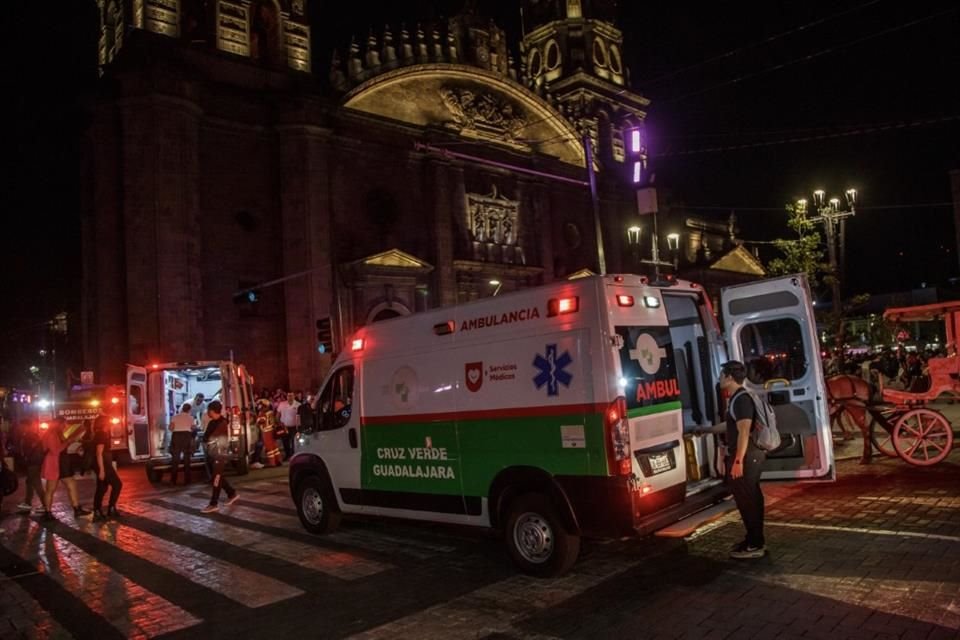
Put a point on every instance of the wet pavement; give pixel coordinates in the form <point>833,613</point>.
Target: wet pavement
<point>875,555</point>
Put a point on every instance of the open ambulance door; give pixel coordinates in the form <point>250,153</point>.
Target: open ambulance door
<point>137,424</point>
<point>770,327</point>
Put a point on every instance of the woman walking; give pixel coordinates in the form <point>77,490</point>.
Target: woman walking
<point>106,474</point>
<point>57,466</point>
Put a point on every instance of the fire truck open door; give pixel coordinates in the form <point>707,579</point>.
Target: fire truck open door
<point>137,424</point>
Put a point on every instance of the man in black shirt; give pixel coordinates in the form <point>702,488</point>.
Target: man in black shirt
<point>106,474</point>
<point>744,460</point>
<point>215,438</point>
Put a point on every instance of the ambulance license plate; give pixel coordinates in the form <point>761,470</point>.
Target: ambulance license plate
<point>659,463</point>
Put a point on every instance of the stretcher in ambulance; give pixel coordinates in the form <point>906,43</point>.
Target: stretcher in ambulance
<point>156,393</point>
<point>558,412</point>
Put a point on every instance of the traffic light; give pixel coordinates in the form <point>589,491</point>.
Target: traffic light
<point>324,335</point>
<point>248,294</point>
<point>636,154</point>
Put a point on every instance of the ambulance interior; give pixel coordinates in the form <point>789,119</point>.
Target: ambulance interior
<point>170,388</point>
<point>773,350</point>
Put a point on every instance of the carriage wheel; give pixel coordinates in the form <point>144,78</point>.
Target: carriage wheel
<point>922,437</point>
<point>881,438</point>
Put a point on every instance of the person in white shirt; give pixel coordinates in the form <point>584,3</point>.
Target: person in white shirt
<point>288,413</point>
<point>182,428</point>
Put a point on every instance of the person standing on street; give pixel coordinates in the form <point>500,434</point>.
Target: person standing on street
<point>31,451</point>
<point>57,466</point>
<point>288,413</point>
<point>181,443</point>
<point>106,474</point>
<point>215,441</point>
<point>744,460</point>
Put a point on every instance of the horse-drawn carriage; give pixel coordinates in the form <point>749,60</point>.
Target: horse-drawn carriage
<point>902,424</point>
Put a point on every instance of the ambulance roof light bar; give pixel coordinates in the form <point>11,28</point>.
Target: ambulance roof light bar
<point>562,306</point>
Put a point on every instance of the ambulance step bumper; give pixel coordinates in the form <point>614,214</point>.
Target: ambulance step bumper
<point>688,525</point>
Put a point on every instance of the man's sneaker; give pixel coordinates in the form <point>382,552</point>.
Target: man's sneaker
<point>746,551</point>
<point>210,508</point>
<point>23,507</point>
<point>233,499</point>
<point>256,465</point>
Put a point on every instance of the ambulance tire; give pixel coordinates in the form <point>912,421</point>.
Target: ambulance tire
<point>536,538</point>
<point>316,505</point>
<point>152,474</point>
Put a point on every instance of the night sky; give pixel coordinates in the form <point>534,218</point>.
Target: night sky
<point>733,87</point>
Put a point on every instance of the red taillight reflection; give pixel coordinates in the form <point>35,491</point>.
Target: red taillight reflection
<point>618,438</point>
<point>560,306</point>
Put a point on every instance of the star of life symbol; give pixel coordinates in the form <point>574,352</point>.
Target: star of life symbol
<point>552,370</point>
<point>648,354</point>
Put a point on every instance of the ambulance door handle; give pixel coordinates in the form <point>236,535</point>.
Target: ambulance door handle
<point>352,437</point>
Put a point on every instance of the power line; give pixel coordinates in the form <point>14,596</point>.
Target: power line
<point>809,57</point>
<point>889,126</point>
<point>727,207</point>
<point>758,43</point>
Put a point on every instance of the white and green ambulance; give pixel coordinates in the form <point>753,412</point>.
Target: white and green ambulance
<point>557,412</point>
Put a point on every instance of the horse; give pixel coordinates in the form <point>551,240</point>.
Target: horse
<point>851,394</point>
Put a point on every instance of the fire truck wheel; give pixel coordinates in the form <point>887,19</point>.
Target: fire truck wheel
<point>316,505</point>
<point>536,538</point>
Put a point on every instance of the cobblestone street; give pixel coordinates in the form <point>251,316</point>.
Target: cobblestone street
<point>875,555</point>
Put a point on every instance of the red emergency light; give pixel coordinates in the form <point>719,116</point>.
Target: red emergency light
<point>625,300</point>
<point>562,306</point>
<point>44,426</point>
<point>357,344</point>
<point>115,421</point>
<point>114,400</point>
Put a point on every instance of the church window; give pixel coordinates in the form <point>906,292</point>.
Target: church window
<point>535,63</point>
<point>553,55</point>
<point>600,53</point>
<point>616,63</point>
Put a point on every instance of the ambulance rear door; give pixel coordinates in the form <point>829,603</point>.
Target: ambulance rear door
<point>770,327</point>
<point>138,429</point>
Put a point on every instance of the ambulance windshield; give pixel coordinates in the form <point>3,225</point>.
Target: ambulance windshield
<point>648,369</point>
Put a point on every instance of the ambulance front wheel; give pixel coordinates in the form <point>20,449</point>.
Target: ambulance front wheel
<point>536,538</point>
<point>316,505</point>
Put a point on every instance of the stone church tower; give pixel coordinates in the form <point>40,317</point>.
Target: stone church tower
<point>573,52</point>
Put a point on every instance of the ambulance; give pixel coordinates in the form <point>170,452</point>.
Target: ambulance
<point>559,412</point>
<point>157,392</point>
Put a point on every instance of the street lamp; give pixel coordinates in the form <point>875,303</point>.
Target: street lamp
<point>832,217</point>
<point>673,244</point>
<point>634,233</point>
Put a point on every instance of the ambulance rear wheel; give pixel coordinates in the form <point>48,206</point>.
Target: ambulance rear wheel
<point>316,505</point>
<point>152,474</point>
<point>536,538</point>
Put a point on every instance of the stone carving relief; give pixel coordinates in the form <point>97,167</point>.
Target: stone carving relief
<point>493,223</point>
<point>483,113</point>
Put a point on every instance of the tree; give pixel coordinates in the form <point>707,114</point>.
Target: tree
<point>802,254</point>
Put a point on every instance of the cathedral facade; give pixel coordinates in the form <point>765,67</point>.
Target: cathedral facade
<point>235,195</point>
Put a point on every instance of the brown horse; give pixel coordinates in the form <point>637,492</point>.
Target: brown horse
<point>851,394</point>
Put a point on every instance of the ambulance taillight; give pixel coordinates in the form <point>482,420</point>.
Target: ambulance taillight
<point>618,437</point>
<point>562,306</point>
